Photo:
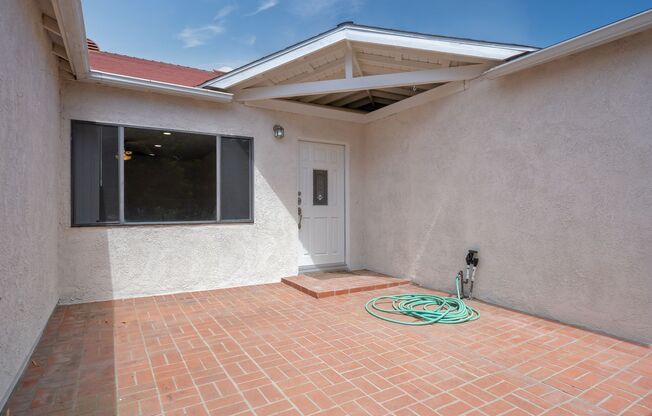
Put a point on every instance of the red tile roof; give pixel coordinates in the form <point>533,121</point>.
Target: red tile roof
<point>154,70</point>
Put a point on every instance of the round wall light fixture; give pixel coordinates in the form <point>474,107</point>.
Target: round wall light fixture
<point>279,131</point>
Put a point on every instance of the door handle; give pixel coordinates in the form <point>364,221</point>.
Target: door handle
<point>300,216</point>
<point>299,209</point>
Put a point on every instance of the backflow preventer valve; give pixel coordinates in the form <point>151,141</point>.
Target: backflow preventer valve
<point>468,275</point>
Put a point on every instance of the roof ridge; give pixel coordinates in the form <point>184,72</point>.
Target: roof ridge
<point>211,71</point>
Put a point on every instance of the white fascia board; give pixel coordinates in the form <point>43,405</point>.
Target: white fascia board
<point>141,84</point>
<point>71,24</point>
<point>310,110</point>
<point>276,60</point>
<point>493,52</point>
<point>605,34</point>
<point>363,83</point>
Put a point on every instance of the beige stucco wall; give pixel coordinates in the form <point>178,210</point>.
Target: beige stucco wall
<point>127,261</point>
<point>29,141</point>
<point>547,172</point>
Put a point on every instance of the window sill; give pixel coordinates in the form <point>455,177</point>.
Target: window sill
<point>162,223</point>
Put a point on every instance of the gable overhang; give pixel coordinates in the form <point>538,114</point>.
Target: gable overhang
<point>477,51</point>
<point>353,71</point>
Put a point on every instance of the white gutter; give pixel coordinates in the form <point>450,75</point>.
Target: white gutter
<point>141,84</point>
<point>605,34</point>
<point>71,24</point>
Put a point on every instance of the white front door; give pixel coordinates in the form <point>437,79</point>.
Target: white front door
<point>321,204</point>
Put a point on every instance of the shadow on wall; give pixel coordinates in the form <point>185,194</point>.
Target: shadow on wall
<point>72,369</point>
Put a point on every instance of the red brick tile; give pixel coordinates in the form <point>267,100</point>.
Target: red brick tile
<point>320,399</point>
<point>255,398</point>
<point>274,408</point>
<point>497,407</point>
<point>248,350</point>
<point>234,401</point>
<point>439,401</point>
<point>398,402</point>
<point>616,404</point>
<point>304,404</point>
<point>454,409</point>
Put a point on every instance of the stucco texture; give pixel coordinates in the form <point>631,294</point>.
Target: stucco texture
<point>29,142</point>
<point>546,172</point>
<point>128,261</point>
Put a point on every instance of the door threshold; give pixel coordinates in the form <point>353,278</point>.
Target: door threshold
<point>333,267</point>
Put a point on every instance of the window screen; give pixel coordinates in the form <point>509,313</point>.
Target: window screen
<point>236,155</point>
<point>95,178</point>
<point>169,176</point>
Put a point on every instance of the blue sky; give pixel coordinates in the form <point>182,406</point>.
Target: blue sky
<point>212,34</point>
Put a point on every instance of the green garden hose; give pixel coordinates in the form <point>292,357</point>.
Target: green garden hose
<point>428,309</point>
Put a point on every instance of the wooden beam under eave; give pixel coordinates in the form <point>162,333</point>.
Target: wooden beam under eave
<point>317,72</point>
<point>417,100</point>
<point>377,60</point>
<point>64,65</point>
<point>329,98</point>
<point>59,51</point>
<point>362,83</point>
<point>50,24</point>
<point>400,91</point>
<point>387,95</point>
<point>295,107</point>
<point>348,62</point>
<point>349,99</point>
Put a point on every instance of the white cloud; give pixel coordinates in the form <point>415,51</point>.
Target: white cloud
<point>225,69</point>
<point>196,36</point>
<point>249,40</point>
<point>234,60</point>
<point>333,8</point>
<point>264,5</point>
<point>225,11</point>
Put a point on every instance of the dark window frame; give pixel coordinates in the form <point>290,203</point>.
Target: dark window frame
<point>251,179</point>
<point>122,222</point>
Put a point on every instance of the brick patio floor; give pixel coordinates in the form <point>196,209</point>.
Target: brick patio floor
<point>271,349</point>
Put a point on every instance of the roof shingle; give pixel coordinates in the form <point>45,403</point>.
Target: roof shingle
<point>154,70</point>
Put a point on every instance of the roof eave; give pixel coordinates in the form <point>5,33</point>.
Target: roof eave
<point>71,21</point>
<point>602,35</point>
<point>141,84</point>
<point>293,52</point>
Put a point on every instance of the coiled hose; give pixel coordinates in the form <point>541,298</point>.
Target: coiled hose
<point>428,309</point>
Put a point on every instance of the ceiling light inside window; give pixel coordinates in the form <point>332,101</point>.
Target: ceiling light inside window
<point>158,145</point>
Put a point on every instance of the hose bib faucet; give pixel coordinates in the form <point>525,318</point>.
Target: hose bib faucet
<point>469,274</point>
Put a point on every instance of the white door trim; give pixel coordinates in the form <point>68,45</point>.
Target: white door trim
<point>347,169</point>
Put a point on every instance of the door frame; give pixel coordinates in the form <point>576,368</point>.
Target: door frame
<point>347,239</point>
